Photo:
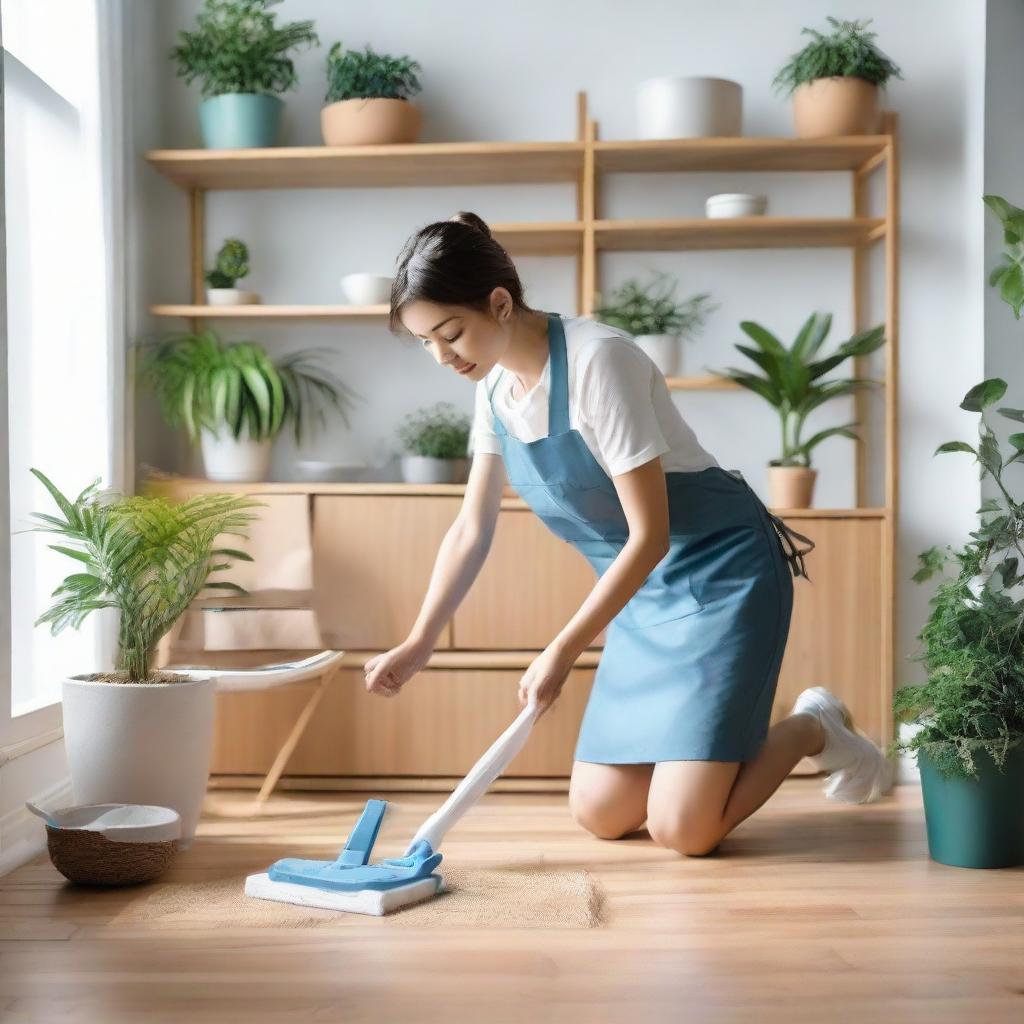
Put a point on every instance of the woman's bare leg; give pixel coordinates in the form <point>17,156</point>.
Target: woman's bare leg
<point>692,805</point>
<point>609,800</point>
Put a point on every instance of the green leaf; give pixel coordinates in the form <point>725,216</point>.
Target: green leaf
<point>954,446</point>
<point>982,395</point>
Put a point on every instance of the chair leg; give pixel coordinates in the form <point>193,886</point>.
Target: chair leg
<point>289,745</point>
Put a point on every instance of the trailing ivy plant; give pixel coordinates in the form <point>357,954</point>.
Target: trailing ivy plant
<point>1010,276</point>
<point>791,379</point>
<point>355,75</point>
<point>439,432</point>
<point>231,265</point>
<point>145,556</point>
<point>201,381</point>
<point>847,51</point>
<point>973,641</point>
<point>238,47</point>
<point>651,309</point>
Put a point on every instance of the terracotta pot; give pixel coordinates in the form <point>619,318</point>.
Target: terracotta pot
<point>791,486</point>
<point>370,122</point>
<point>835,106</point>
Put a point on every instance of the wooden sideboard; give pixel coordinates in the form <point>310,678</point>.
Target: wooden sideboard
<point>373,549</point>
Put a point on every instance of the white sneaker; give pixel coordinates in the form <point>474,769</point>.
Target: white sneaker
<point>859,772</point>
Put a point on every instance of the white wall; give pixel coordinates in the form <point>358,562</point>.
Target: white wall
<point>501,73</point>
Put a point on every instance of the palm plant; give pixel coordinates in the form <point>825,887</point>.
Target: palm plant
<point>353,75</point>
<point>146,557</point>
<point>790,376</point>
<point>202,382</point>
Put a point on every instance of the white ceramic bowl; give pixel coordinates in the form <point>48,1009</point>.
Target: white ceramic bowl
<point>735,204</point>
<point>367,289</point>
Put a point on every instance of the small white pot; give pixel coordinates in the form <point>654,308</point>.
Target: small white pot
<point>367,289</point>
<point>229,460</point>
<point>230,297</point>
<point>424,469</point>
<point>664,350</point>
<point>735,204</point>
<point>673,107</point>
<point>140,743</point>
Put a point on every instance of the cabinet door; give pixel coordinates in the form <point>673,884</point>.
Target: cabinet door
<point>835,638</point>
<point>440,724</point>
<point>530,586</point>
<point>372,560</point>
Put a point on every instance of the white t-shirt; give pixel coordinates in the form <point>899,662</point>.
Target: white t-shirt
<point>618,401</point>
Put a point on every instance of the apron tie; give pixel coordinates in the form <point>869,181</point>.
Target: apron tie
<point>795,555</point>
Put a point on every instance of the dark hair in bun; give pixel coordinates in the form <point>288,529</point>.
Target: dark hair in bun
<point>454,262</point>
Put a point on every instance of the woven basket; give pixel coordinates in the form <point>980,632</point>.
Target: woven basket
<point>88,857</point>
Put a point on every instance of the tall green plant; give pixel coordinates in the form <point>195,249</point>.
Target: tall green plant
<point>355,75</point>
<point>651,309</point>
<point>144,556</point>
<point>847,51</point>
<point>238,47</point>
<point>790,376</point>
<point>974,638</point>
<point>201,381</point>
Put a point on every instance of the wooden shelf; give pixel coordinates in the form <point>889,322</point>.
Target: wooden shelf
<point>267,312</point>
<point>736,233</point>
<point>426,163</point>
<point>707,383</point>
<point>847,153</point>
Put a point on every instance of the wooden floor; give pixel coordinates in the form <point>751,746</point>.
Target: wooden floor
<point>811,911</point>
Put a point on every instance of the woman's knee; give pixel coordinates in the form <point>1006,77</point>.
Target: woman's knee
<point>602,812</point>
<point>688,837</point>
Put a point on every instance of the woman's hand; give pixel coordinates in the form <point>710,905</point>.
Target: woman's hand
<point>388,672</point>
<point>543,680</point>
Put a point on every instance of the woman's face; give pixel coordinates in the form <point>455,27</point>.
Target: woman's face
<point>465,340</point>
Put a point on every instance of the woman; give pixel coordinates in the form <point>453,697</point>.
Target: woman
<point>693,580</point>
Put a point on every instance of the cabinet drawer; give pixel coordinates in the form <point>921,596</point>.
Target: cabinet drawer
<point>440,724</point>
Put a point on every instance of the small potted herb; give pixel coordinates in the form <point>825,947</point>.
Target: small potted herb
<point>241,56</point>
<point>791,385</point>
<point>231,265</point>
<point>138,734</point>
<point>970,744</point>
<point>234,400</point>
<point>436,442</point>
<point>835,80</point>
<point>657,322</point>
<point>368,99</point>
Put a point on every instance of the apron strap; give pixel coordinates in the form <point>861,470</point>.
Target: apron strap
<point>558,398</point>
<point>795,555</point>
<point>499,427</point>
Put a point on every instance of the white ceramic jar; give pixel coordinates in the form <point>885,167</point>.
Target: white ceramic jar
<point>367,289</point>
<point>672,107</point>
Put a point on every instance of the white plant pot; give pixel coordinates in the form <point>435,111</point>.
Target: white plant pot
<point>140,743</point>
<point>673,107</point>
<point>735,204</point>
<point>424,469</point>
<point>367,289</point>
<point>664,352</point>
<point>229,460</point>
<point>230,297</point>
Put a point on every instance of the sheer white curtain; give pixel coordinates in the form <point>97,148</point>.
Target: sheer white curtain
<point>63,194</point>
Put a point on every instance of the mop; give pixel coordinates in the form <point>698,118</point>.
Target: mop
<point>350,883</point>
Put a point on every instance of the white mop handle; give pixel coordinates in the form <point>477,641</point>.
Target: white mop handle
<point>497,758</point>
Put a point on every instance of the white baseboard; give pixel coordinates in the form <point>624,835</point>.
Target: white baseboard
<point>22,834</point>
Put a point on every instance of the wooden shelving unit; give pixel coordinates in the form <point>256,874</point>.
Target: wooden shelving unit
<point>583,162</point>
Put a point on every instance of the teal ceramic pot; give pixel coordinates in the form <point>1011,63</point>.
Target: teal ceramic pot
<point>976,823</point>
<point>240,120</point>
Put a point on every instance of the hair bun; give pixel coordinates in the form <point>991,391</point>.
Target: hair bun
<point>466,217</point>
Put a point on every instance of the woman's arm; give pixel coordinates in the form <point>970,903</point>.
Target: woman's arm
<point>459,559</point>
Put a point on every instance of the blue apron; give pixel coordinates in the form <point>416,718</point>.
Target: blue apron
<point>690,663</point>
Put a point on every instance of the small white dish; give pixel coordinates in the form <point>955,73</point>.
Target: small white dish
<point>735,204</point>
<point>367,289</point>
<point>121,823</point>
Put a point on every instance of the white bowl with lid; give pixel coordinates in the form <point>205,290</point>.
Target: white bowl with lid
<point>735,204</point>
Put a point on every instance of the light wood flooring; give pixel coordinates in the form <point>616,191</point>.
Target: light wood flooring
<point>811,911</point>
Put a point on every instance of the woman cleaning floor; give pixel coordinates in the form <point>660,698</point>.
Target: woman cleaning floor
<point>694,573</point>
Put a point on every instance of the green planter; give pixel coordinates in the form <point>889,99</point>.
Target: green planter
<point>240,120</point>
<point>976,823</point>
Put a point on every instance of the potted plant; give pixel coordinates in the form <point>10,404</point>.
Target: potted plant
<point>657,322</point>
<point>835,81</point>
<point>240,55</point>
<point>234,400</point>
<point>435,442</point>
<point>791,385</point>
<point>970,747</point>
<point>368,99</point>
<point>231,265</point>
<point>139,735</point>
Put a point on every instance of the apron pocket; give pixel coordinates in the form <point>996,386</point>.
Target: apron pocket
<point>659,601</point>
